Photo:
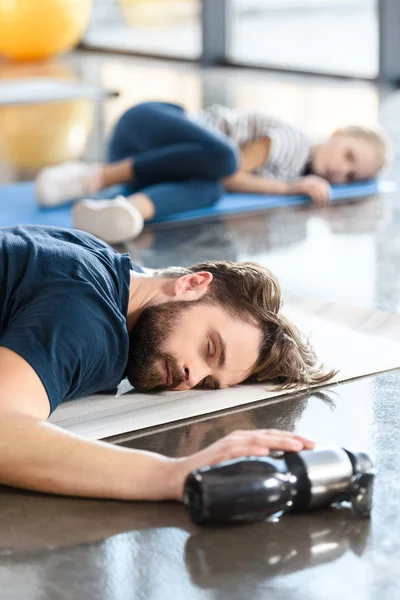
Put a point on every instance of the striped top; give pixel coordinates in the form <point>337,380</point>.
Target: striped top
<point>290,148</point>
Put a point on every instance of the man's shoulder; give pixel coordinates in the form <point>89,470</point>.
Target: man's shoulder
<point>45,241</point>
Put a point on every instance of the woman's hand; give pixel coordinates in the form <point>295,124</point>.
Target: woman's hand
<point>254,442</point>
<point>317,188</point>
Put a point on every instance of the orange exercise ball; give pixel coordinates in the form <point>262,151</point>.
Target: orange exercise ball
<point>36,29</point>
<point>35,135</point>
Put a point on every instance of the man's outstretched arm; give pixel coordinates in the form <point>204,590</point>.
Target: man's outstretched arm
<point>39,456</point>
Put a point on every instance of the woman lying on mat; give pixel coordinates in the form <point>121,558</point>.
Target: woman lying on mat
<point>76,317</point>
<point>173,162</point>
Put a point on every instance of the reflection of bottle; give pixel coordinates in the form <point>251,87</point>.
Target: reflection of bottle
<point>272,549</point>
<point>253,488</point>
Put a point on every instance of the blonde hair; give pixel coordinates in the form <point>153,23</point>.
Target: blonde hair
<point>251,292</point>
<point>376,137</point>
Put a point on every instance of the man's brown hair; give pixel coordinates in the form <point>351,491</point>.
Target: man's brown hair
<point>251,292</point>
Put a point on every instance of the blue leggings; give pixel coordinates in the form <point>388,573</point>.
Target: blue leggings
<point>177,162</point>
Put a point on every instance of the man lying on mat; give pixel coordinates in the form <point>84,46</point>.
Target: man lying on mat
<point>76,317</point>
<point>171,162</point>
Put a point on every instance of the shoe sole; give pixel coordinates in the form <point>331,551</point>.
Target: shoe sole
<point>113,224</point>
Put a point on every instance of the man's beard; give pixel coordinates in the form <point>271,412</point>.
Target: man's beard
<point>146,348</point>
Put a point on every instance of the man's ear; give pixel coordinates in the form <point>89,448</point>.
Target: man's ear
<point>192,286</point>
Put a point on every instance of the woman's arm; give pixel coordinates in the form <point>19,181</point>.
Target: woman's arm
<point>244,182</point>
<point>317,188</point>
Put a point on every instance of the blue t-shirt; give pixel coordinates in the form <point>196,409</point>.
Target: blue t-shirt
<point>63,306</point>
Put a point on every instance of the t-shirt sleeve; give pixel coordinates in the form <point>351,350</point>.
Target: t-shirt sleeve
<point>64,339</point>
<point>289,151</point>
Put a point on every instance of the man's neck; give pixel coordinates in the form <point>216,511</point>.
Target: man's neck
<point>145,290</point>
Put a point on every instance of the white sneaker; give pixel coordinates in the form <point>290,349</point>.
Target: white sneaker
<point>66,182</point>
<point>114,221</point>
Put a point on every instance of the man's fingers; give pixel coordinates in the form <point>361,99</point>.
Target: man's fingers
<point>273,439</point>
<point>261,445</point>
<point>253,449</point>
<point>250,442</point>
<point>300,438</point>
<point>279,442</point>
<point>308,444</point>
<point>269,433</point>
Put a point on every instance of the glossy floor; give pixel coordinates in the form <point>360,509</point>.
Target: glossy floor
<point>55,548</point>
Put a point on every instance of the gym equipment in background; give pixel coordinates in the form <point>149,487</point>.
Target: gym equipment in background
<point>37,29</point>
<point>35,135</point>
<point>55,129</point>
<point>158,13</point>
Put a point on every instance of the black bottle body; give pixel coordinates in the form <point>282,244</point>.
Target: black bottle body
<point>254,488</point>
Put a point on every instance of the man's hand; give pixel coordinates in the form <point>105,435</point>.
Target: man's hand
<point>255,442</point>
<point>317,188</point>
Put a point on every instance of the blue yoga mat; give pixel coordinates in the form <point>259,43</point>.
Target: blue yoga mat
<point>18,205</point>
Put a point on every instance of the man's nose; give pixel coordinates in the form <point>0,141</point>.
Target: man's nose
<point>195,373</point>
